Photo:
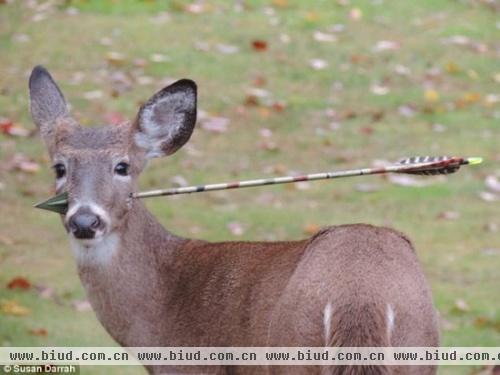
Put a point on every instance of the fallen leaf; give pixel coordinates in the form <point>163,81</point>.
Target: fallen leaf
<point>20,162</point>
<point>406,111</point>
<point>265,132</point>
<point>491,99</point>
<point>159,58</point>
<point>406,180</point>
<point>320,36</point>
<point>4,240</point>
<point>179,181</point>
<point>311,16</point>
<point>259,45</point>
<point>301,185</point>
<point>45,292</point>
<point>318,64</point>
<point>385,45</point>
<point>491,227</point>
<point>490,251</point>
<point>11,307</point>
<point>355,14</point>
<point>236,228</point>
<point>38,332</point>
<point>21,38</point>
<point>285,38</point>
<point>449,215</point>
<point>215,124</point>
<point>452,68</point>
<point>196,8</point>
<point>93,95</point>
<point>438,128</point>
<point>144,80</point>
<point>379,89</point>
<point>114,118</point>
<point>312,229</point>
<point>280,3</point>
<point>279,106</point>
<point>461,306</point>
<point>488,196</point>
<point>227,49</point>
<point>81,305</point>
<point>19,283</point>
<point>402,70</point>
<point>431,96</point>
<point>492,183</point>
<point>9,128</point>
<point>367,187</point>
<point>115,58</point>
<point>367,130</point>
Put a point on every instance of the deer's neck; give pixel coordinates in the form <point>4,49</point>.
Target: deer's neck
<point>129,274</point>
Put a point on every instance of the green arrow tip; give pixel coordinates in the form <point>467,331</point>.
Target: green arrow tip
<point>58,204</point>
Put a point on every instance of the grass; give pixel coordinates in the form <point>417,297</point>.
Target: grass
<point>33,245</point>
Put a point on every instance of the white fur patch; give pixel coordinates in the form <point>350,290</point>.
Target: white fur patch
<point>94,252</point>
<point>327,321</point>
<point>390,318</point>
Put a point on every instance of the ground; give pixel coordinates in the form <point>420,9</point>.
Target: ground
<point>284,87</point>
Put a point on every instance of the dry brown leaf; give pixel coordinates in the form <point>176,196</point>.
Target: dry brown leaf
<point>38,332</point>
<point>259,45</point>
<point>19,283</point>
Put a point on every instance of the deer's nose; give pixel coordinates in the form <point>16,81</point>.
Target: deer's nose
<point>84,224</point>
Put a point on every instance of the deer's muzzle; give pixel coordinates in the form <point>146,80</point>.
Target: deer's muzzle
<point>84,223</point>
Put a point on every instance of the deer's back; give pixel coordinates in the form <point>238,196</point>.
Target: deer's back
<point>260,293</point>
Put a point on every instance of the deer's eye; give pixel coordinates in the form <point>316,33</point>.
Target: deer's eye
<point>60,170</point>
<point>122,169</point>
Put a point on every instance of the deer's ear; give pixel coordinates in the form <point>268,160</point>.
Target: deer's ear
<point>47,102</point>
<point>165,123</point>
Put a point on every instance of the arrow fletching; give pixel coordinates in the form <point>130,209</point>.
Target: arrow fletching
<point>434,165</point>
<point>418,165</point>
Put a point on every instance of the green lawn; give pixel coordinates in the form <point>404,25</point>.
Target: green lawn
<point>434,91</point>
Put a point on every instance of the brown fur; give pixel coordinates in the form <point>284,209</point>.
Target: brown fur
<point>159,289</point>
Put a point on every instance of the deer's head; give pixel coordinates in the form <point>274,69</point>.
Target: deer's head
<point>99,166</point>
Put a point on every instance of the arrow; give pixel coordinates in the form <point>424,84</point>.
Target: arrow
<point>419,165</point>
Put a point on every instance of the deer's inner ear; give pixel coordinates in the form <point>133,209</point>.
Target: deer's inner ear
<point>165,123</point>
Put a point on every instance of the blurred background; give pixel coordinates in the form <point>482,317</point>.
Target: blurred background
<point>285,86</point>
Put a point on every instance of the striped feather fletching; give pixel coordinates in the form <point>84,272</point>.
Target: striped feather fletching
<point>437,165</point>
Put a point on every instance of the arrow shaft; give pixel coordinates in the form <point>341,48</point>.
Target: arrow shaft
<point>416,165</point>
<point>398,168</point>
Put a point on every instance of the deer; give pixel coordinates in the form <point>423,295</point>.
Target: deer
<point>352,285</point>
